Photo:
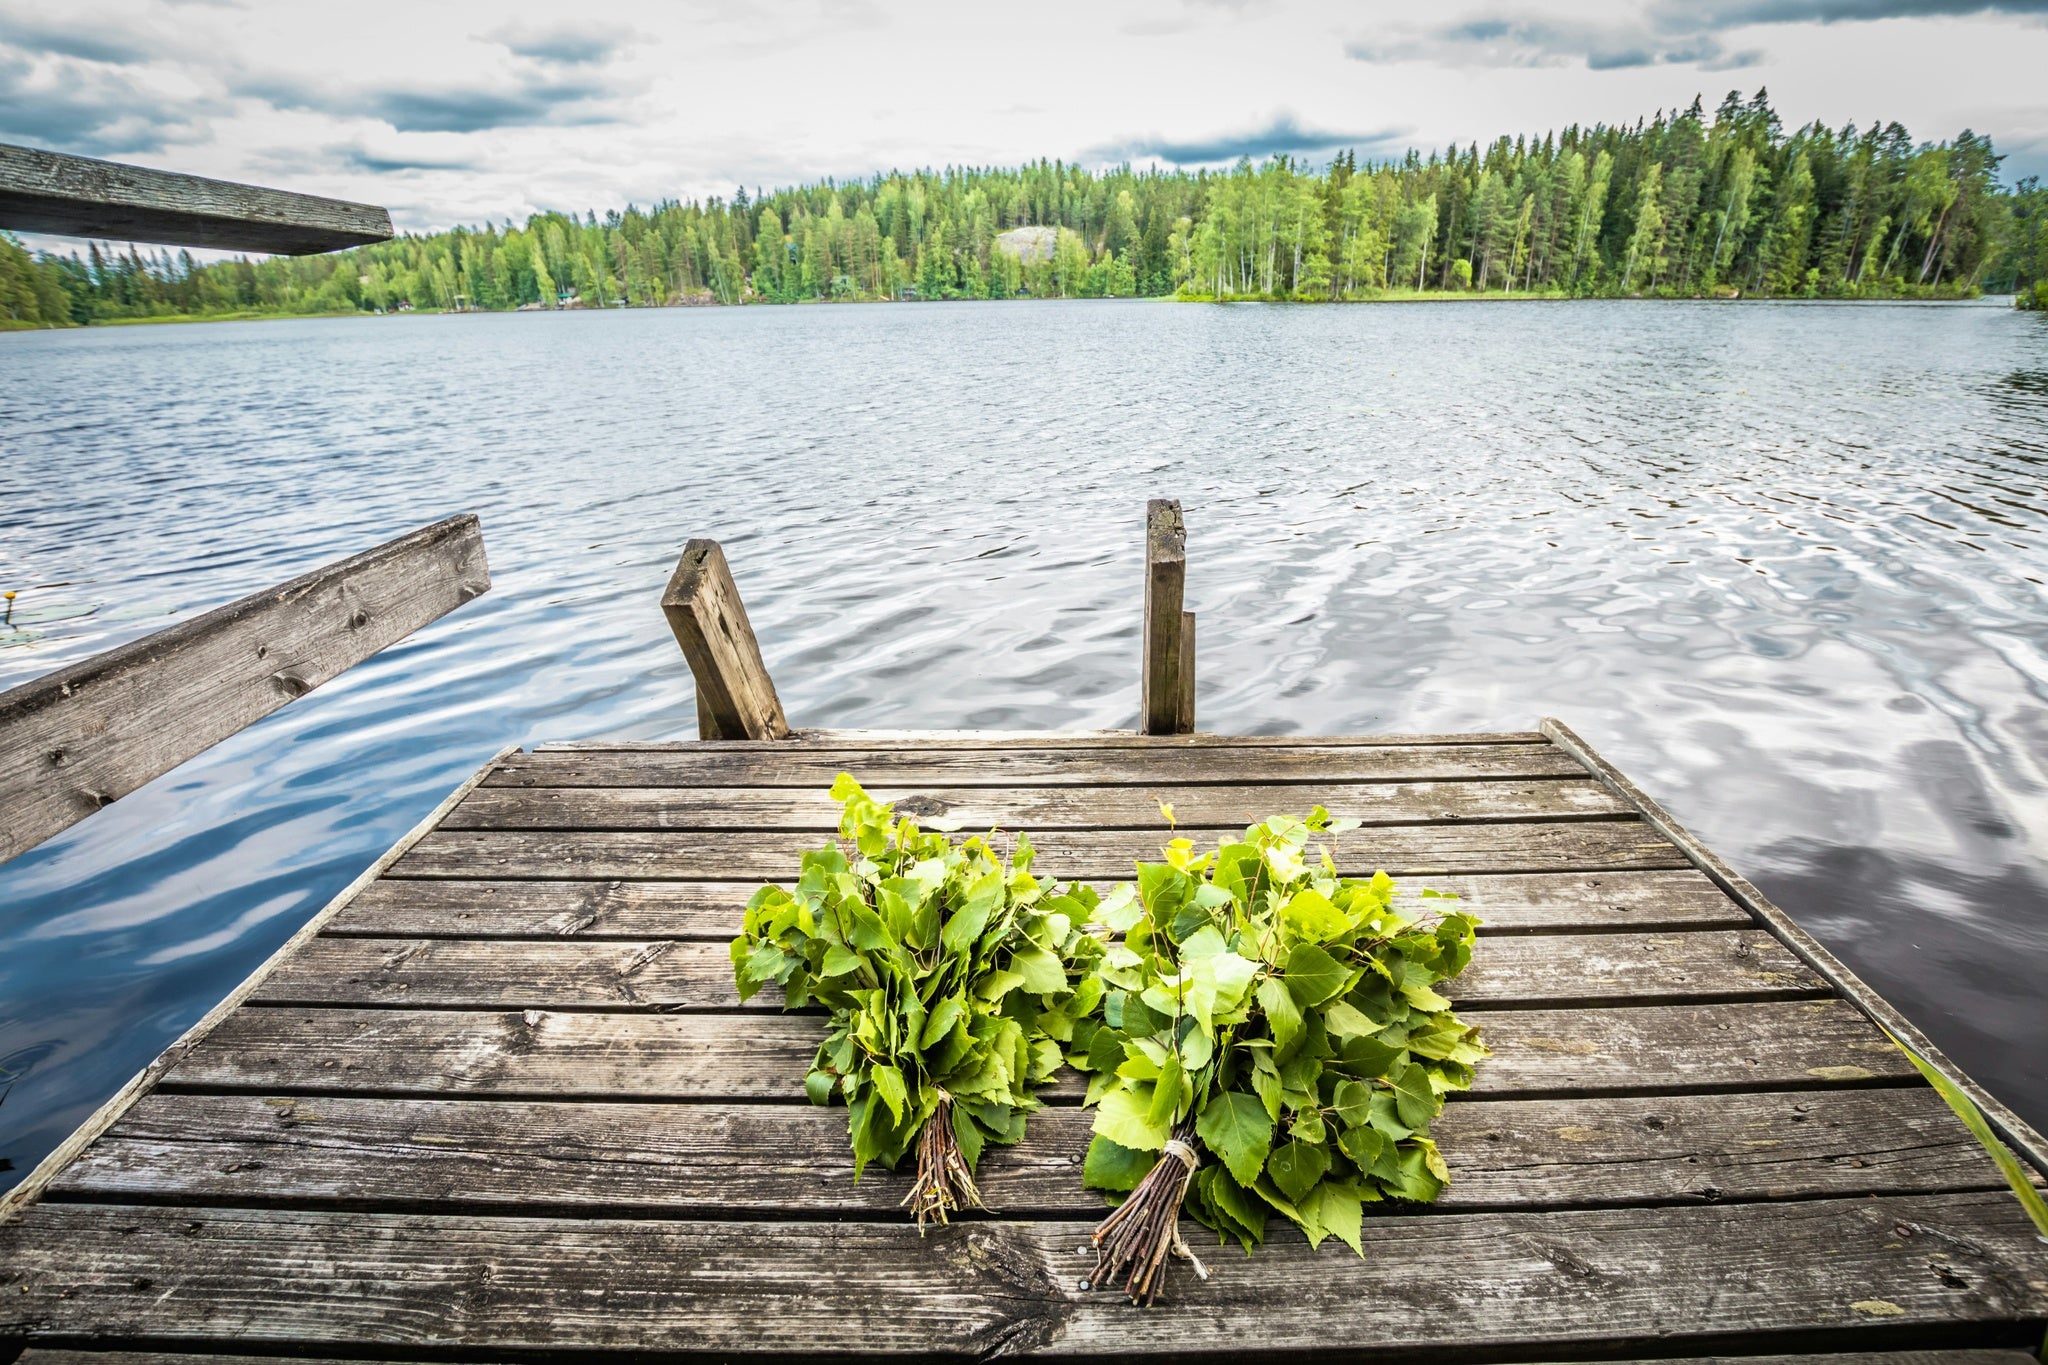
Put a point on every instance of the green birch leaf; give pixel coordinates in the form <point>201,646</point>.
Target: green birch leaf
<point>941,1020</point>
<point>1363,1145</point>
<point>889,1085</point>
<point>1309,916</point>
<point>1283,1016</point>
<point>1266,1085</point>
<point>1346,1021</point>
<point>1041,971</point>
<point>1124,1118</point>
<point>1414,1099</point>
<point>1112,1166</point>
<point>1423,998</point>
<point>1296,1167</point>
<point>1338,1212</point>
<point>1169,1092</point>
<point>1237,1128</point>
<point>1313,975</point>
<point>965,926</point>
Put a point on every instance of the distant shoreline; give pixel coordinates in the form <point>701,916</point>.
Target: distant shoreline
<point>1391,296</point>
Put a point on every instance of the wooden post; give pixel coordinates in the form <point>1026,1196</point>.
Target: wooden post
<point>1167,693</point>
<point>79,197</point>
<point>76,739</point>
<point>735,698</point>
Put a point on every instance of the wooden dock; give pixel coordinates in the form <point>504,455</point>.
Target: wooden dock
<point>500,1102</point>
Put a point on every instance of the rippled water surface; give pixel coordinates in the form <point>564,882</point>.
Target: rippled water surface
<point>1781,563</point>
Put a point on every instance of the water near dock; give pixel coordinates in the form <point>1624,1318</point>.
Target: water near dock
<point>1782,563</point>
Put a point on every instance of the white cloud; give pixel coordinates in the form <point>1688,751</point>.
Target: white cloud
<point>464,110</point>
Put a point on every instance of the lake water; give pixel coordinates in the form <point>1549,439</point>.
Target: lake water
<point>1782,563</point>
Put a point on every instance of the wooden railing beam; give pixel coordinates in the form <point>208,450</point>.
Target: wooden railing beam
<point>1167,684</point>
<point>735,697</point>
<point>77,196</point>
<point>79,738</point>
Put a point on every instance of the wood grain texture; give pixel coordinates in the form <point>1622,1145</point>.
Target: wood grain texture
<point>713,1160</point>
<point>735,696</point>
<point>76,196</point>
<point>1967,1356</point>
<point>570,973</point>
<point>79,738</point>
<point>930,741</point>
<point>1534,903</point>
<point>763,1056</point>
<point>1844,1273</point>
<point>1161,699</point>
<point>802,765</point>
<point>1033,809</point>
<point>1401,850</point>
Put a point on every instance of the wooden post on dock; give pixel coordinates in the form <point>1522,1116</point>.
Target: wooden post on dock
<point>735,698</point>
<point>1167,701</point>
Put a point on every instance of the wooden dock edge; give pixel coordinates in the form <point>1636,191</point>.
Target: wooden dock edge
<point>31,1186</point>
<point>2015,1131</point>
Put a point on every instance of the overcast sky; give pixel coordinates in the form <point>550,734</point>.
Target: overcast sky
<point>449,111</point>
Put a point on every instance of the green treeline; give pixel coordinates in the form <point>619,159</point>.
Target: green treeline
<point>1681,206</point>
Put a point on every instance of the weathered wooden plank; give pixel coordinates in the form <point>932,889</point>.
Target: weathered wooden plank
<point>813,737</point>
<point>571,973</point>
<point>713,1160</point>
<point>1543,902</point>
<point>798,765</point>
<point>1967,1356</point>
<point>735,696</point>
<point>1978,1356</point>
<point>1164,694</point>
<point>77,196</point>
<point>2015,1131</point>
<point>1842,1273</point>
<point>541,1053</point>
<point>76,739</point>
<point>1401,850</point>
<point>1034,809</point>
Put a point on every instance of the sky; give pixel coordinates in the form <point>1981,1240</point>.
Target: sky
<point>460,111</point>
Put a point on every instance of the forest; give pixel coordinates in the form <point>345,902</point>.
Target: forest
<point>1683,205</point>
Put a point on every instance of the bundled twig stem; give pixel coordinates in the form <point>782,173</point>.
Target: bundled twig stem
<point>1133,1242</point>
<point>944,1184</point>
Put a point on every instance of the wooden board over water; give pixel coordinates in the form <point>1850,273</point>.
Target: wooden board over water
<point>501,1101</point>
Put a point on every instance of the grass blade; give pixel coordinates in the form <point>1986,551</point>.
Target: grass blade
<point>1973,1118</point>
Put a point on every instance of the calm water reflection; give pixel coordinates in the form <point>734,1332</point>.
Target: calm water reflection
<point>1782,563</point>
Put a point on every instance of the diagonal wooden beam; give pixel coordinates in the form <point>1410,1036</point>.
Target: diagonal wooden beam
<point>76,196</point>
<point>76,739</point>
